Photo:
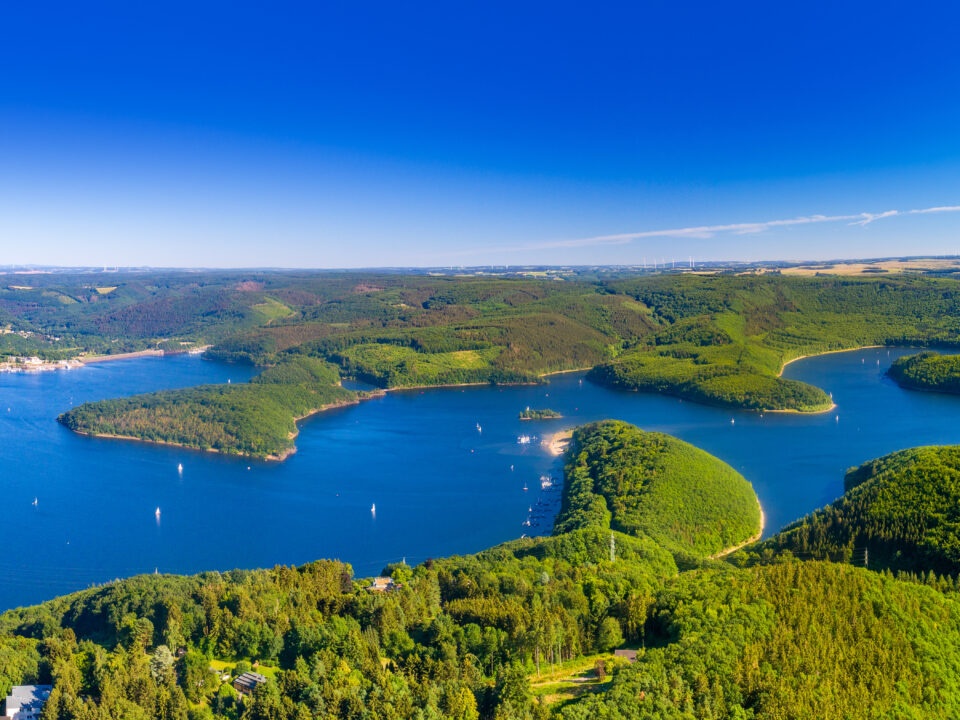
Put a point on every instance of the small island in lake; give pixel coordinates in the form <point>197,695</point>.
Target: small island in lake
<point>545,414</point>
<point>927,371</point>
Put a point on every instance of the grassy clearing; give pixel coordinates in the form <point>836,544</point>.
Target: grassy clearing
<point>270,310</point>
<point>268,671</point>
<point>572,678</point>
<point>397,365</point>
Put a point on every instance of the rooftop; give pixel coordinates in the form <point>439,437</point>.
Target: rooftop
<point>249,679</point>
<point>27,697</point>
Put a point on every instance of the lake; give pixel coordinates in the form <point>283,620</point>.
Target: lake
<point>440,485</point>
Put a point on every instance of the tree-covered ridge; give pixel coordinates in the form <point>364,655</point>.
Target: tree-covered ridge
<point>256,418</point>
<point>713,384</point>
<point>795,640</point>
<point>928,371</point>
<point>651,484</point>
<point>901,512</point>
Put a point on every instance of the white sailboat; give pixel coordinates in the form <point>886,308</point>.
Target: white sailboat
<point>157,513</point>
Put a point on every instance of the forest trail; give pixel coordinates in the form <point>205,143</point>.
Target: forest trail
<point>749,541</point>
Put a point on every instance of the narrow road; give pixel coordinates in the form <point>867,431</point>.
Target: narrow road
<point>749,541</point>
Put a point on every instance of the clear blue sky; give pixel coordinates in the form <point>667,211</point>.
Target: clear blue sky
<point>359,134</point>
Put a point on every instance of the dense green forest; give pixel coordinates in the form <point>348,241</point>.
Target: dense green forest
<point>900,512</point>
<point>636,482</point>
<point>490,635</point>
<point>928,371</point>
<point>792,640</point>
<point>720,339</point>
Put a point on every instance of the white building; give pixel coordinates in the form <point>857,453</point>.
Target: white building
<point>25,702</point>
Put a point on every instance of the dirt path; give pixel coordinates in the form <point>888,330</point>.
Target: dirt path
<point>748,541</point>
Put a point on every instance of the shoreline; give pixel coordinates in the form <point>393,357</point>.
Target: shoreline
<point>558,442</point>
<point>830,352</point>
<point>563,372</point>
<point>833,406</point>
<point>81,360</point>
<point>91,359</point>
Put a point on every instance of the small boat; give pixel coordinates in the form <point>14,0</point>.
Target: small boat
<point>523,440</point>
<point>526,523</point>
<point>157,513</point>
<point>530,509</point>
<point>34,503</point>
<point>180,467</point>
<point>525,488</point>
<point>732,421</point>
<point>546,482</point>
<point>373,509</point>
<point>479,429</point>
<point>837,418</point>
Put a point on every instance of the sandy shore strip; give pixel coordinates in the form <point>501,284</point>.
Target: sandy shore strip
<point>119,356</point>
<point>557,443</point>
<point>827,352</point>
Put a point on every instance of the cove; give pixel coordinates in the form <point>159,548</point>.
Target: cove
<point>440,486</point>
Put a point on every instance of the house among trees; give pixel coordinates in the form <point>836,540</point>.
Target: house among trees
<point>25,702</point>
<point>382,584</point>
<point>246,683</point>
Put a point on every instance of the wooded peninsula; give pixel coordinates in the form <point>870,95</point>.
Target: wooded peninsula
<point>927,371</point>
<point>720,339</point>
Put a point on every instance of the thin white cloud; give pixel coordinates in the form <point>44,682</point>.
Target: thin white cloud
<point>944,208</point>
<point>705,232</point>
<point>868,218</point>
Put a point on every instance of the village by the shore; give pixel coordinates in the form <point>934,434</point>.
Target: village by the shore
<point>35,364</point>
<point>32,363</point>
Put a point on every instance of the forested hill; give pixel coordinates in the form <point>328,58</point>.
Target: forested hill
<point>899,512</point>
<point>928,371</point>
<point>484,636</point>
<point>256,419</point>
<point>636,482</point>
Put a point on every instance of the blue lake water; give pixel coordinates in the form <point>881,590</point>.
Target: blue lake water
<point>440,486</point>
